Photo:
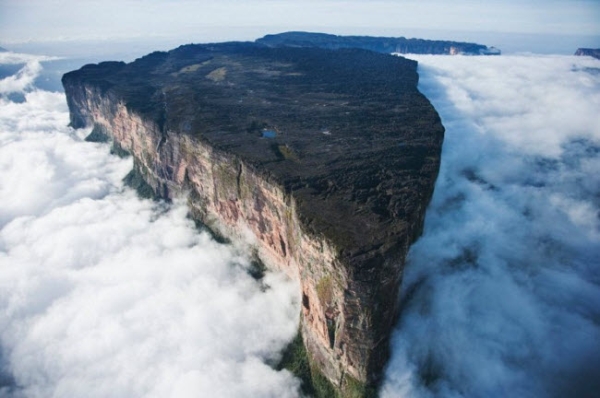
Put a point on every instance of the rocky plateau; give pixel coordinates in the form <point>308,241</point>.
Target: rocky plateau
<point>386,45</point>
<point>324,160</point>
<point>590,52</point>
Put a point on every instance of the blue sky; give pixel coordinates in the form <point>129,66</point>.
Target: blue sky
<point>23,21</point>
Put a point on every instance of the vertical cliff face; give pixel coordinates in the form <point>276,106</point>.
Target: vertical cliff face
<point>285,149</point>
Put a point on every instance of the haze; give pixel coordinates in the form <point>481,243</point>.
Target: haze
<point>549,26</point>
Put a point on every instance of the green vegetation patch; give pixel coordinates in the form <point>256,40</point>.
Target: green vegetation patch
<point>325,290</point>
<point>296,360</point>
<point>98,134</point>
<point>314,384</point>
<point>217,75</point>
<point>118,150</point>
<point>286,152</point>
<point>192,68</point>
<point>136,180</point>
<point>355,389</point>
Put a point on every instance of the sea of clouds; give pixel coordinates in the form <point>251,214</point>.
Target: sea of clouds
<point>106,295</point>
<point>501,294</point>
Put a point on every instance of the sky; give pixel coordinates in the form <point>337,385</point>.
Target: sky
<point>182,21</point>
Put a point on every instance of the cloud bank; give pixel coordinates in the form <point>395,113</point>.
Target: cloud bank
<point>103,294</point>
<point>502,293</point>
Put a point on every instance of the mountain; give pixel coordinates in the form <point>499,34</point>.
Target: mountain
<point>591,52</point>
<point>378,44</point>
<point>324,160</point>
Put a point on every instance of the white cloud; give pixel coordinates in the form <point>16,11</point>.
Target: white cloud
<point>103,294</point>
<point>502,292</point>
<point>24,79</point>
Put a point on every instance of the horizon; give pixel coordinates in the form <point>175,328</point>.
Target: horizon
<point>509,43</point>
<point>546,27</point>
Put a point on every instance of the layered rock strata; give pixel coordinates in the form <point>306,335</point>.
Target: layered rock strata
<point>324,160</point>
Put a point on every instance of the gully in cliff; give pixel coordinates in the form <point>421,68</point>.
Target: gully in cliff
<point>337,211</point>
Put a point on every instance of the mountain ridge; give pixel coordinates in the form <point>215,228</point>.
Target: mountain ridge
<point>590,52</point>
<point>400,45</point>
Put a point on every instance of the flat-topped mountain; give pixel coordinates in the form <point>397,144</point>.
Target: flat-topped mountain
<point>591,52</point>
<point>326,159</point>
<point>387,45</point>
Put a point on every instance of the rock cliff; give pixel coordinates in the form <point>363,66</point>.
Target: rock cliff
<point>324,160</point>
<point>591,52</point>
<point>386,45</point>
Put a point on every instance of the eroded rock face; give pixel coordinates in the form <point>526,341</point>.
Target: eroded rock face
<point>325,160</point>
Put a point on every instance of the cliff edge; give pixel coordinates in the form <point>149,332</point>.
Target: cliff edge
<point>590,52</point>
<point>387,45</point>
<point>326,160</point>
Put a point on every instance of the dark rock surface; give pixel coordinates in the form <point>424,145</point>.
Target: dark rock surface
<point>386,45</point>
<point>354,135</point>
<point>591,52</point>
<point>342,142</point>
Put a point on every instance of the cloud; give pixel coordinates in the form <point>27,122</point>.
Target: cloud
<point>25,77</point>
<point>501,294</point>
<point>103,294</point>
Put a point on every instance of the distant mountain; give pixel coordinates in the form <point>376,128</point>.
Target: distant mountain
<point>3,50</point>
<point>591,52</point>
<point>388,45</point>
